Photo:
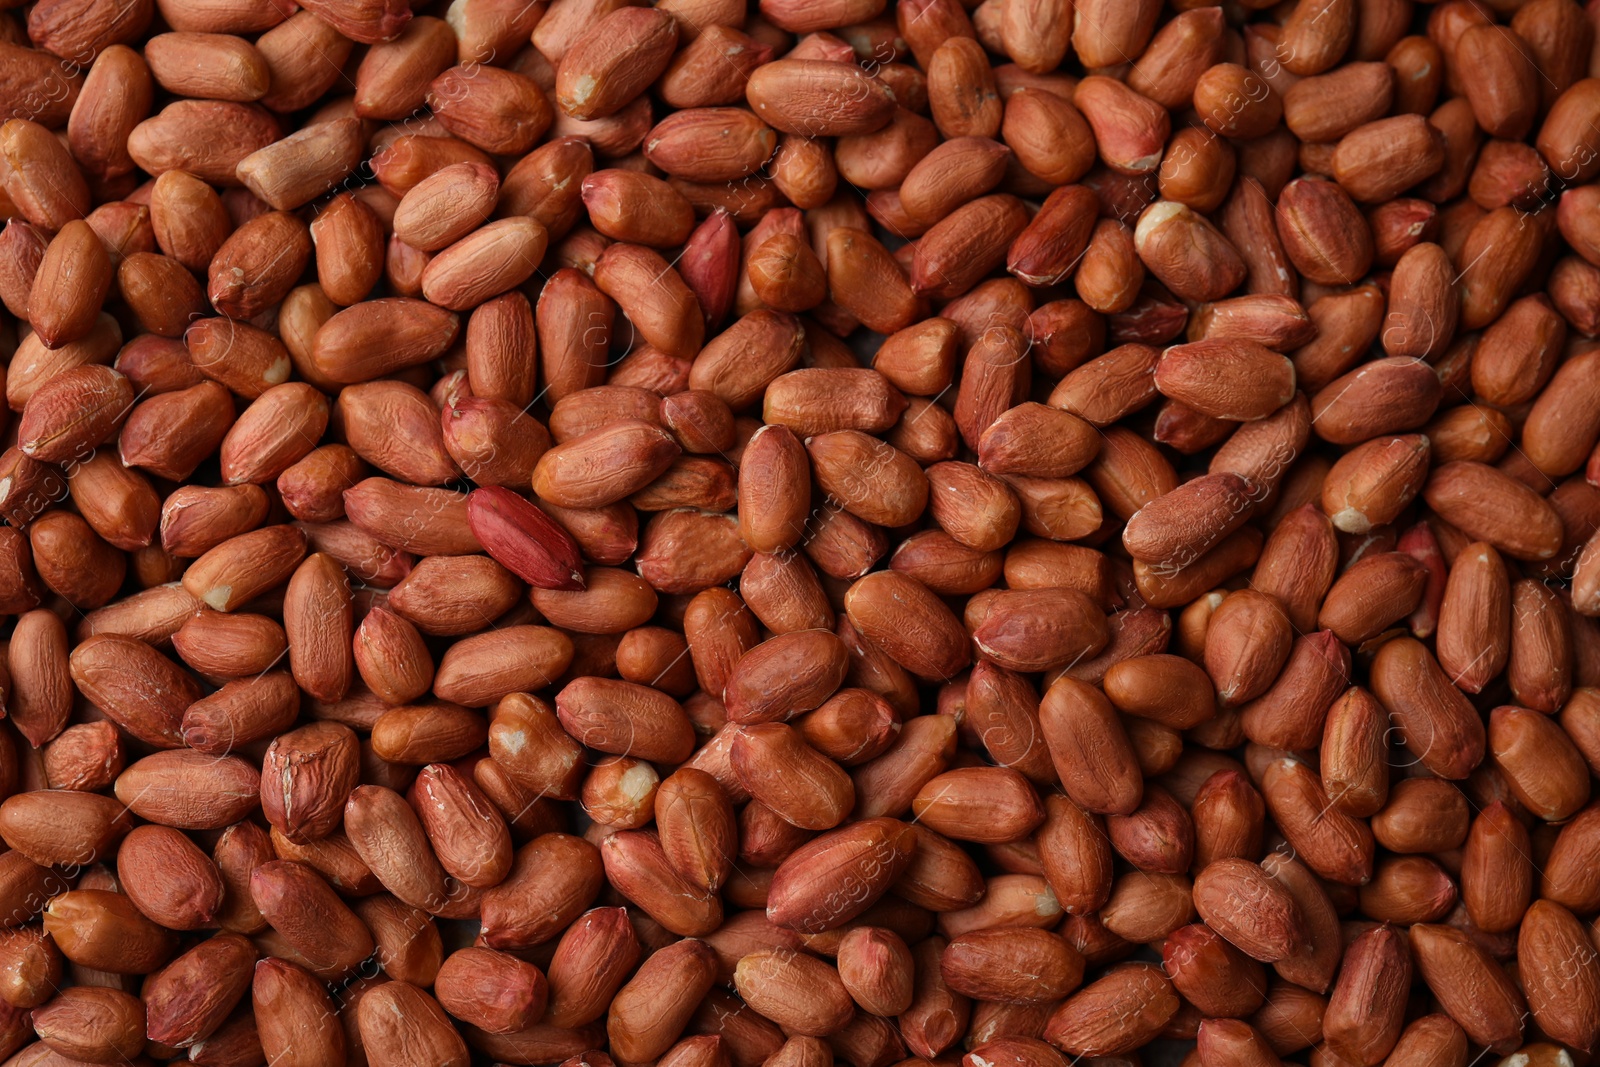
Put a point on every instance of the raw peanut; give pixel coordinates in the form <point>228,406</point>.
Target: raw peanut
<point>876,968</point>
<point>243,566</point>
<point>409,158</point>
<point>590,964</point>
<point>1352,775</point>
<point>24,246</point>
<point>1438,723</point>
<point>909,623</point>
<point>189,219</point>
<point>1090,748</point>
<point>1319,957</point>
<point>169,878</point>
<point>484,264</point>
<point>1227,813</point>
<point>453,595</point>
<point>167,787</point>
<point>61,827</point>
<point>1502,91</point>
<point>1371,484</point>
<point>1489,1008</point>
<point>189,999</point>
<point>1325,107</point>
<point>1040,629</point>
<point>247,360</point>
<point>710,144</point>
<point>864,280</point>
<point>116,97</point>
<point>622,717</point>
<point>820,401</point>
<point>1129,128</point>
<point>948,804</point>
<point>368,21</point>
<point>1496,878</point>
<point>1432,1036</point>
<point>40,177</point>
<point>170,434</point>
<point>391,842</point>
<point>1334,845</point>
<point>348,237</point>
<point>1163,688</point>
<point>73,278</point>
<point>570,883</point>
<point>786,274</point>
<point>919,359</point>
<point>937,1014</point>
<point>258,264</point>
<point>1383,396</point>
<point>317,619</point>
<point>423,733</point>
<point>1539,670</point>
<point>85,757</point>
<point>866,857</point>
<point>392,78</point>
<point>150,703</point>
<point>491,990</point>
<point>1241,380</point>
<point>1421,814</point>
<point>1561,788</point>
<point>73,413</point>
<point>696,825</point>
<point>812,98</point>
<point>1560,1004</point>
<point>1177,528</point>
<point>1066,443</point>
<point>378,337</point>
<point>409,946</point>
<point>402,1024</point>
<point>305,774</point>
<point>1371,595</point>
<point>302,166</point>
<point>650,1012</point>
<point>611,63</point>
<point>1514,358</point>
<point>799,990</point>
<point>1323,233</point>
<point>446,206</point>
<point>524,539</point>
<point>1479,499</point>
<point>1202,965</point>
<point>419,519</point>
<point>1290,713</point>
<point>784,676</point>
<point>304,57</point>
<point>982,964</point>
<point>1232,1041</point>
<point>83,921</point>
<point>1186,253</point>
<point>491,109</point>
<point>1381,159</point>
<point>1238,900</point>
<point>1114,1015</point>
<point>653,296</point>
<point>478,853</point>
<point>872,480</point>
<point>295,1017</point>
<point>91,1021</point>
<point>612,601</point>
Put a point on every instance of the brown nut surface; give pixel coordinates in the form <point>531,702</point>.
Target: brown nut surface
<point>782,533</point>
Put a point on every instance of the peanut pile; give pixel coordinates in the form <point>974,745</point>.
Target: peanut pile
<point>934,533</point>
